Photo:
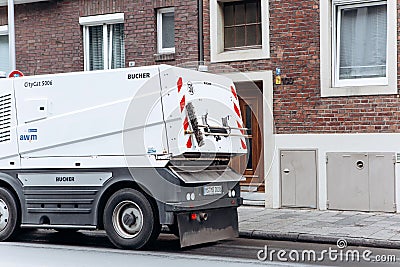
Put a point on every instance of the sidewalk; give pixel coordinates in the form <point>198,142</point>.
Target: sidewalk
<point>304,225</point>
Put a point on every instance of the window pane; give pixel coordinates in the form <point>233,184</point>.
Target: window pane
<point>251,35</point>
<point>4,54</point>
<point>118,47</point>
<point>96,58</point>
<point>363,41</point>
<point>240,36</point>
<point>244,18</point>
<point>229,36</point>
<point>249,124</point>
<point>249,132</point>
<point>251,12</point>
<point>168,30</point>
<point>239,14</point>
<point>228,15</point>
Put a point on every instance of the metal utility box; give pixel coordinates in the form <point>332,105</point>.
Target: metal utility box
<point>298,178</point>
<point>361,181</point>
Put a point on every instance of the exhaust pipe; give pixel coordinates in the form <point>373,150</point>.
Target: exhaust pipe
<point>203,216</point>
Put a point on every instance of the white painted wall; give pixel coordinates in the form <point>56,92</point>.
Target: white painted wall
<point>324,143</point>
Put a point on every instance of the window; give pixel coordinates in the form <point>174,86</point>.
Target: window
<point>239,30</point>
<point>4,51</point>
<point>357,39</point>
<point>103,37</point>
<point>361,44</point>
<point>166,30</point>
<point>242,25</point>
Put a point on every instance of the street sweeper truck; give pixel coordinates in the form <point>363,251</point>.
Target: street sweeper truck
<point>125,150</point>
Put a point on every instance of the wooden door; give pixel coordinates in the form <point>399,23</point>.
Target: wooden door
<point>252,164</point>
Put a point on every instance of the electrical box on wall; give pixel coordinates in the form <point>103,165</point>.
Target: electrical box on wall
<point>361,181</point>
<point>298,178</point>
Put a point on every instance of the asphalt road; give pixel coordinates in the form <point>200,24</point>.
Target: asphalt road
<point>55,246</point>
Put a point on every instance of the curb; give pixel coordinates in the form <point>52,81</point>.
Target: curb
<point>309,238</point>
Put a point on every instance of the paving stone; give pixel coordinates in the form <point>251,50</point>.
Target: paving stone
<point>383,234</point>
<point>360,228</point>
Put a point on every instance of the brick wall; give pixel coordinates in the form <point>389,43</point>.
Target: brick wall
<point>49,37</point>
<point>49,40</point>
<point>298,108</point>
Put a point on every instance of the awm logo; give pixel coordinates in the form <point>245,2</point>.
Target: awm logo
<point>28,137</point>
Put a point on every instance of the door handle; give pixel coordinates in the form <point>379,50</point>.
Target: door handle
<point>286,171</point>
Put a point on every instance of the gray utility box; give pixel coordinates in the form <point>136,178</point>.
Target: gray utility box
<point>361,181</point>
<point>298,178</point>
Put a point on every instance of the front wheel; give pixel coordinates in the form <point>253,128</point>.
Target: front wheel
<point>8,215</point>
<point>129,220</point>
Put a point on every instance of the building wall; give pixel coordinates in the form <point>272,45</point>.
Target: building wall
<point>299,108</point>
<point>49,37</point>
<point>54,44</point>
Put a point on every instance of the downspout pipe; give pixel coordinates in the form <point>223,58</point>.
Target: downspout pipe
<point>11,34</point>
<point>200,31</point>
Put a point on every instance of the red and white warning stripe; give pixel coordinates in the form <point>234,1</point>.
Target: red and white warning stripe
<point>237,111</point>
<point>182,105</point>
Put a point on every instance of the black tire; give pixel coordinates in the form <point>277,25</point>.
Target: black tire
<point>8,215</point>
<point>130,221</point>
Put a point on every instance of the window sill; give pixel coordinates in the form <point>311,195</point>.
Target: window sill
<point>164,57</point>
<point>359,90</point>
<point>248,54</point>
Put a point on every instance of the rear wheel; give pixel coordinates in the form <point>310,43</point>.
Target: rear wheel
<point>8,214</point>
<point>129,220</point>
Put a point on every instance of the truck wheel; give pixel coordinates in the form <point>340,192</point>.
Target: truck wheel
<point>129,220</point>
<point>8,214</point>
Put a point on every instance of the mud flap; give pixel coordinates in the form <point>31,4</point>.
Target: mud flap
<point>220,224</point>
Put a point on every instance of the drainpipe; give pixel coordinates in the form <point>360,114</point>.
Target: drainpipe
<point>11,34</point>
<point>200,37</point>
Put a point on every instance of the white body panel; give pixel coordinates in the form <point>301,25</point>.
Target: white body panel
<point>111,118</point>
<point>9,157</point>
<point>211,95</point>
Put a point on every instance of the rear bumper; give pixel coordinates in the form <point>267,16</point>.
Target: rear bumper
<point>204,204</point>
<point>209,225</point>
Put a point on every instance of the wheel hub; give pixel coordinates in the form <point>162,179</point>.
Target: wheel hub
<point>4,215</point>
<point>127,219</point>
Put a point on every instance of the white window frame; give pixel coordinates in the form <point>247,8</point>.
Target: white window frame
<point>337,8</point>
<point>329,68</point>
<point>89,21</point>
<point>160,49</point>
<point>4,30</point>
<point>218,54</point>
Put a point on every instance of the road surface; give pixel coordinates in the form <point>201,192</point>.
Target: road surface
<point>92,248</point>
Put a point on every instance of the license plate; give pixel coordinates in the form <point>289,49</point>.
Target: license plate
<point>213,190</point>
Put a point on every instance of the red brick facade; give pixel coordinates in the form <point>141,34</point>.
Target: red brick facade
<point>49,40</point>
<point>49,37</point>
<point>299,108</point>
